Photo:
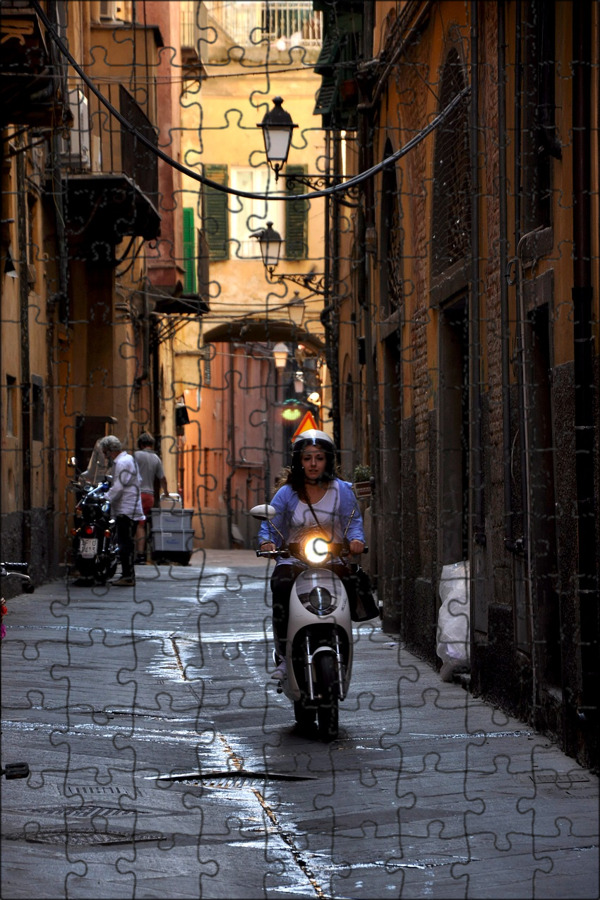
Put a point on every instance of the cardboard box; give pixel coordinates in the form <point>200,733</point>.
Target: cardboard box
<point>173,541</point>
<point>172,519</point>
<point>171,501</point>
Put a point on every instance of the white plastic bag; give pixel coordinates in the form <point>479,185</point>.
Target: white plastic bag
<point>454,626</point>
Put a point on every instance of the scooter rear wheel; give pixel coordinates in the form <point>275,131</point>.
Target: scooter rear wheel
<point>327,710</point>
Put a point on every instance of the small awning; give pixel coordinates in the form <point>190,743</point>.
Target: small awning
<point>262,330</point>
<point>182,305</point>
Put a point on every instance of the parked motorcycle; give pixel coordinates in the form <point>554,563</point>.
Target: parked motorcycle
<point>319,646</point>
<point>18,570</point>
<point>95,546</point>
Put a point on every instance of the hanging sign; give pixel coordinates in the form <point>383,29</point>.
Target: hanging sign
<point>308,421</point>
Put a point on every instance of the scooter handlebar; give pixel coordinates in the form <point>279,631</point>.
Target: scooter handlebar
<point>273,554</point>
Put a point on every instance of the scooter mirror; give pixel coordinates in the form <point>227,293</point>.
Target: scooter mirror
<point>263,511</point>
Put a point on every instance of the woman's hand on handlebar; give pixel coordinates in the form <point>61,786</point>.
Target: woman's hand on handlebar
<point>356,547</point>
<point>268,545</point>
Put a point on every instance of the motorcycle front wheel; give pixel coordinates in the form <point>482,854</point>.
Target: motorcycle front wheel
<point>327,710</point>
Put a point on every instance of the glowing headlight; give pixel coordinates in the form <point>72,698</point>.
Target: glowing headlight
<point>320,599</point>
<point>316,550</point>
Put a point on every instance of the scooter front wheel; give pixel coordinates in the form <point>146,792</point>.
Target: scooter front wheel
<point>305,716</point>
<point>327,709</point>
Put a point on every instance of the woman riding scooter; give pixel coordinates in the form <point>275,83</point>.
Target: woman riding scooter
<point>310,495</point>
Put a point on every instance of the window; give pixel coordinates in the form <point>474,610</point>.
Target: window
<point>215,224</point>
<point>206,354</point>
<point>37,408</point>
<point>11,405</point>
<point>451,234</point>
<point>247,215</point>
<point>540,140</point>
<point>189,251</point>
<point>230,221</point>
<point>296,219</point>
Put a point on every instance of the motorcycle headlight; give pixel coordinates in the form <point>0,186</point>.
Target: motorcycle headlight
<point>321,600</point>
<point>316,550</point>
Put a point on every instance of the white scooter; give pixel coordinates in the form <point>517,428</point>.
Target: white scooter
<point>319,644</point>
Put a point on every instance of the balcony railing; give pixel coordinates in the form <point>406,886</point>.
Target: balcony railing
<point>281,24</point>
<point>102,155</point>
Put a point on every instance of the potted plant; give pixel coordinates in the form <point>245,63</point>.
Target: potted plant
<point>361,481</point>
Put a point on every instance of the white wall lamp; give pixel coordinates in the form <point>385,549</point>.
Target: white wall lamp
<point>270,243</point>
<point>9,266</point>
<point>280,355</point>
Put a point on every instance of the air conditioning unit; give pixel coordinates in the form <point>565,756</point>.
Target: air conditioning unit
<point>108,10</point>
<point>75,149</point>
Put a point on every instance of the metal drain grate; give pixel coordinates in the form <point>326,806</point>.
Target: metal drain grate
<point>561,781</point>
<point>84,836</point>
<point>78,812</point>
<point>228,780</point>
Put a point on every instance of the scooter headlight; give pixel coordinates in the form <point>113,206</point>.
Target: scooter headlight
<point>321,600</point>
<point>316,550</point>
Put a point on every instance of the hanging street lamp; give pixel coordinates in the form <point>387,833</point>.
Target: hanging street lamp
<point>270,243</point>
<point>277,128</point>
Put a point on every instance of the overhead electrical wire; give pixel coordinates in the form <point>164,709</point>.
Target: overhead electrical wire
<point>339,188</point>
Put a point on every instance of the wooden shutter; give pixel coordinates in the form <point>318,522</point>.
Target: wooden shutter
<point>296,219</point>
<point>216,221</point>
<point>189,251</point>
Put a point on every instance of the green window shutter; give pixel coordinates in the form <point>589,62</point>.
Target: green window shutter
<point>189,251</point>
<point>296,219</point>
<point>216,218</point>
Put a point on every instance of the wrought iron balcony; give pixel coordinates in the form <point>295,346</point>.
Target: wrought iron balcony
<point>111,175</point>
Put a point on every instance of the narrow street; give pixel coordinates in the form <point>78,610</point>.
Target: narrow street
<point>164,764</point>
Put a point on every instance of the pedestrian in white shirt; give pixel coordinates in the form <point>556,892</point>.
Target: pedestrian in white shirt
<point>126,504</point>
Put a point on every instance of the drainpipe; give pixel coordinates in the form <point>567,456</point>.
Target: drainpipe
<point>330,314</point>
<point>232,450</point>
<point>367,251</point>
<point>475,366</point>
<point>504,312</point>
<point>524,543</point>
<point>585,401</point>
<point>25,362</point>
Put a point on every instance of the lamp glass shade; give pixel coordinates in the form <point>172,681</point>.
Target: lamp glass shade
<point>270,246</point>
<point>296,310</point>
<point>280,355</point>
<point>277,127</point>
<point>277,142</point>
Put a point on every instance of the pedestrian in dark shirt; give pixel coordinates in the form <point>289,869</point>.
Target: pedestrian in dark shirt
<point>150,468</point>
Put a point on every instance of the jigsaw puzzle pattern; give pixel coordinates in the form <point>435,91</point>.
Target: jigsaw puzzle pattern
<point>163,760</point>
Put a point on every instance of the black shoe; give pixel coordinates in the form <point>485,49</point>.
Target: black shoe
<point>140,560</point>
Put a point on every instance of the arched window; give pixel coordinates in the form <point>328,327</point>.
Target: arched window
<point>452,183</point>
<point>391,241</point>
